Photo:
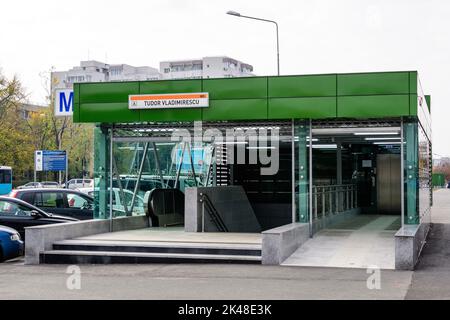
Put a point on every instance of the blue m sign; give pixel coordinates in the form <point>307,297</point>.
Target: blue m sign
<point>64,102</point>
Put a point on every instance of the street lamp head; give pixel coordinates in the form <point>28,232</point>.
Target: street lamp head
<point>234,13</point>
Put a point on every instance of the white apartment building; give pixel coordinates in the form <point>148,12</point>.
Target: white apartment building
<point>96,71</point>
<point>207,67</point>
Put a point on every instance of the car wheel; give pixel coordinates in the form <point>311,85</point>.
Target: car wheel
<point>1,255</point>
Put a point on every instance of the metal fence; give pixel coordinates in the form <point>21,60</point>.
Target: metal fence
<point>333,199</point>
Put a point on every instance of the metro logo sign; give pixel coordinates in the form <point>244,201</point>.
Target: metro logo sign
<point>63,102</point>
<point>168,101</point>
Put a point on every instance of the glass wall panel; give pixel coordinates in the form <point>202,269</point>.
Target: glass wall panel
<point>425,176</point>
<point>101,172</point>
<point>301,139</point>
<point>411,181</point>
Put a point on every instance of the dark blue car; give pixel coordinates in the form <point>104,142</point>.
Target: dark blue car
<point>11,246</point>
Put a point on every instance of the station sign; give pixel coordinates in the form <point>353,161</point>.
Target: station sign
<point>50,160</point>
<point>168,101</point>
<point>63,102</point>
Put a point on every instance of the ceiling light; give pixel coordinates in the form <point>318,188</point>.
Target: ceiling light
<point>382,138</point>
<point>387,142</point>
<point>324,146</point>
<point>374,133</point>
<point>263,148</point>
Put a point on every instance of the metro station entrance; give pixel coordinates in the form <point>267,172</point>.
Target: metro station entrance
<point>320,157</point>
<point>356,194</point>
<point>151,166</point>
<point>357,166</point>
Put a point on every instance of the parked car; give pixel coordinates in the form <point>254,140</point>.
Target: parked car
<point>118,201</point>
<point>79,183</point>
<point>119,204</point>
<point>448,185</point>
<point>50,184</point>
<point>88,190</point>
<point>43,184</point>
<point>64,202</point>
<point>11,245</point>
<point>30,185</point>
<point>18,214</point>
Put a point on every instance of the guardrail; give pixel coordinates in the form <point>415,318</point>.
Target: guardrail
<point>214,214</point>
<point>333,199</point>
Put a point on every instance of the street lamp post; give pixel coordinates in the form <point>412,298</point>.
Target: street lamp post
<point>237,14</point>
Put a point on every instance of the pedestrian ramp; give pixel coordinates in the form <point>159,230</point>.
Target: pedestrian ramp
<point>362,242</point>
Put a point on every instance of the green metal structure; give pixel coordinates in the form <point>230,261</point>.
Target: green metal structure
<point>299,98</point>
<point>365,95</point>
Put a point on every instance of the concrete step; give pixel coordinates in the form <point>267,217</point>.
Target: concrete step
<point>108,257</point>
<point>238,249</point>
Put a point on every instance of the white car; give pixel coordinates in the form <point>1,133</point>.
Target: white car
<point>88,190</point>
<point>118,204</point>
<point>43,184</point>
<point>79,183</point>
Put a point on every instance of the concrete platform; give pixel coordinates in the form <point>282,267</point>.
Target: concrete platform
<point>363,241</point>
<point>156,245</point>
<point>176,234</point>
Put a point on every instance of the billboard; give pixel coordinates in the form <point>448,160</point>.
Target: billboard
<point>50,160</point>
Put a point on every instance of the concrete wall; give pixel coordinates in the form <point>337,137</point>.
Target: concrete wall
<point>279,243</point>
<point>409,241</point>
<point>41,238</point>
<point>230,201</point>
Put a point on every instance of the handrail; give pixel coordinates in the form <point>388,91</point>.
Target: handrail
<point>333,199</point>
<point>214,214</point>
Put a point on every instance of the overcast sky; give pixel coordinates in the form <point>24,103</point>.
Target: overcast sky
<point>320,36</point>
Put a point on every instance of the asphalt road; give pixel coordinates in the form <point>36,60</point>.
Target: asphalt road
<point>192,281</point>
<point>431,280</point>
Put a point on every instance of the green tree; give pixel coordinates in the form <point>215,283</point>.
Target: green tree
<point>15,143</point>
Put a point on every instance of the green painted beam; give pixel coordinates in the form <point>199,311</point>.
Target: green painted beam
<point>235,109</point>
<point>302,108</point>
<point>108,112</point>
<point>76,103</point>
<point>236,88</point>
<point>382,94</point>
<point>373,83</point>
<point>375,106</point>
<point>303,86</point>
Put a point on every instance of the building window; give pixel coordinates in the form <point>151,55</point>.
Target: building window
<point>166,70</point>
<point>73,79</point>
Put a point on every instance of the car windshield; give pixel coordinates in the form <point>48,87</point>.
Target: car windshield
<point>8,208</point>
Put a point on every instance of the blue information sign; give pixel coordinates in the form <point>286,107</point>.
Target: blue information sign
<point>54,160</point>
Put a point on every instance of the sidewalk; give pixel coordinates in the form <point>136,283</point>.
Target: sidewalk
<point>431,280</point>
